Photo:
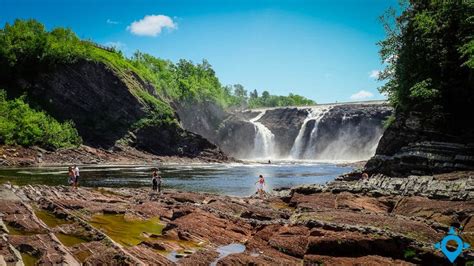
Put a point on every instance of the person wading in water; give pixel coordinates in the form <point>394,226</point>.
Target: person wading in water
<point>75,169</point>
<point>156,182</point>
<point>72,176</point>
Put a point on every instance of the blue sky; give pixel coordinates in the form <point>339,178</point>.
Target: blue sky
<point>325,50</point>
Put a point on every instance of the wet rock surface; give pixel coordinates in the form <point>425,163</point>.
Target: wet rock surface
<point>342,223</point>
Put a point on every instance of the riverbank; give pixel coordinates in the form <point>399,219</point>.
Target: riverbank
<point>343,222</point>
<point>86,155</point>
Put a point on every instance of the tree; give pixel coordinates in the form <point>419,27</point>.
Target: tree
<point>254,94</point>
<point>429,53</point>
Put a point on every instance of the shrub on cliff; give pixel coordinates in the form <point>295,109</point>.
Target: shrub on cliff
<point>20,124</point>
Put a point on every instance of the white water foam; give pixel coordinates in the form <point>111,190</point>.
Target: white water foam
<point>264,141</point>
<point>299,149</point>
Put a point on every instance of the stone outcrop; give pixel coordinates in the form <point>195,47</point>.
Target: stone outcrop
<point>232,132</point>
<point>120,154</point>
<point>460,187</point>
<point>413,144</point>
<point>203,118</point>
<point>236,136</point>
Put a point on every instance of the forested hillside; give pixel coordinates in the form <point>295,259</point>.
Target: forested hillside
<point>28,49</point>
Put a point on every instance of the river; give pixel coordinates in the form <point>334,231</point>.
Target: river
<point>237,179</point>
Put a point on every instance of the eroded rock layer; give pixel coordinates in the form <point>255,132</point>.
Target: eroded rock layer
<point>338,224</point>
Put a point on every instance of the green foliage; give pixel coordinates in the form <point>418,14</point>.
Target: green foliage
<point>268,100</point>
<point>198,82</point>
<point>19,124</point>
<point>409,253</point>
<point>423,92</point>
<point>387,122</point>
<point>467,51</point>
<point>429,56</point>
<point>26,46</point>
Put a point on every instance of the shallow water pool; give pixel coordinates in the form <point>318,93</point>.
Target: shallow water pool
<point>235,179</point>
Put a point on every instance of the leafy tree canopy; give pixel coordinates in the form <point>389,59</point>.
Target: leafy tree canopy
<point>429,57</point>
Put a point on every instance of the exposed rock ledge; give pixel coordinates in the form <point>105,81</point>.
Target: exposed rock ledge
<point>337,224</point>
<point>415,145</point>
<point>433,187</point>
<point>120,154</point>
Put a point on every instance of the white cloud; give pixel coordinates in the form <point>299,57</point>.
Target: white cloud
<point>361,95</point>
<point>151,25</point>
<point>113,22</point>
<point>116,45</point>
<point>374,74</point>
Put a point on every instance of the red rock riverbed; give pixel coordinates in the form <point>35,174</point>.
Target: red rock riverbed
<point>335,225</point>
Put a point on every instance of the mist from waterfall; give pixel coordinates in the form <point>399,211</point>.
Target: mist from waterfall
<point>299,147</point>
<point>264,141</point>
<point>348,146</point>
<point>348,138</point>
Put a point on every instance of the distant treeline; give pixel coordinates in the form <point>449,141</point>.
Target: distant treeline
<point>241,98</point>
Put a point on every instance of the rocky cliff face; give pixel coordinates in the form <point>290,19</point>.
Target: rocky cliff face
<point>348,132</point>
<point>105,109</point>
<point>414,145</point>
<point>285,124</point>
<point>201,118</point>
<point>344,131</point>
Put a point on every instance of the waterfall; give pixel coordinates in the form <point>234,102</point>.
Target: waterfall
<point>264,141</point>
<point>299,148</point>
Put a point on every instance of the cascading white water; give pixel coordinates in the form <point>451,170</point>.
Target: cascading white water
<point>264,141</point>
<point>298,150</point>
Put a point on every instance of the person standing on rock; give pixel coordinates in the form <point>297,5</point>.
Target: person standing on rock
<point>365,176</point>
<point>71,176</point>
<point>76,176</point>
<point>156,181</point>
<point>260,184</point>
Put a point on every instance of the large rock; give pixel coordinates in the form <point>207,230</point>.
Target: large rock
<point>236,136</point>
<point>414,144</point>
